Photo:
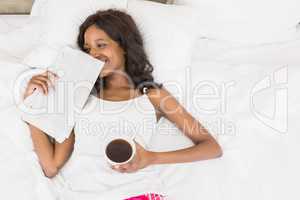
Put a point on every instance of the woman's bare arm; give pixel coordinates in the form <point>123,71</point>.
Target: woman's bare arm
<point>206,147</point>
<point>63,151</point>
<point>52,156</point>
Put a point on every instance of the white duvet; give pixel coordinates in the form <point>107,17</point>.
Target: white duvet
<point>256,139</point>
<point>21,175</point>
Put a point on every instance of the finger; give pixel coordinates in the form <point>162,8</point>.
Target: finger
<point>120,169</point>
<point>32,89</point>
<point>125,166</point>
<point>131,169</point>
<point>116,168</point>
<point>128,167</point>
<point>42,82</point>
<point>29,91</point>
<point>45,79</point>
<point>48,73</point>
<point>40,75</point>
<point>52,74</point>
<point>41,85</point>
<point>53,77</point>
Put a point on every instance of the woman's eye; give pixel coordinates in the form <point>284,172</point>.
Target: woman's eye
<point>101,45</point>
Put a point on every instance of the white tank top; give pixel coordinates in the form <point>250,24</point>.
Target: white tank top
<point>106,119</point>
<point>100,121</point>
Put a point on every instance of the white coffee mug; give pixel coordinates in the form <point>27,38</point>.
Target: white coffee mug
<point>119,150</point>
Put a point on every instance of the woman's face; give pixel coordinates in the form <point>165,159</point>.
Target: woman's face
<point>99,45</point>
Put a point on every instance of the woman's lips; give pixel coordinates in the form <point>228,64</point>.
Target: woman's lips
<point>103,59</point>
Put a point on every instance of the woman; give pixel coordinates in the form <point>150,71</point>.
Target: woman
<point>113,37</point>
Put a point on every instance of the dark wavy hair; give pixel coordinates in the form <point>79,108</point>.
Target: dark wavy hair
<point>121,27</point>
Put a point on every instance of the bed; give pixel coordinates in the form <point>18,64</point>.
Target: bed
<point>246,94</point>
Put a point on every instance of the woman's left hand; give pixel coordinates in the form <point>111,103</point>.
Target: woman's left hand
<point>142,159</point>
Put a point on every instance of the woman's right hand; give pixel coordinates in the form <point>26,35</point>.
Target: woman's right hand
<point>41,82</point>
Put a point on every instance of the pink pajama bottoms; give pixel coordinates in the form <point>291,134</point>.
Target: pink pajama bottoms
<point>150,196</point>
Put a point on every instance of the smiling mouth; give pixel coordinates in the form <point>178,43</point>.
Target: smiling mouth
<point>103,59</point>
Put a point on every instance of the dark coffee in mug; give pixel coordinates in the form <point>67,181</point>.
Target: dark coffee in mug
<point>119,150</point>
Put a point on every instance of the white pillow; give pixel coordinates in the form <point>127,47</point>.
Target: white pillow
<point>11,69</point>
<point>20,40</point>
<point>247,22</point>
<point>168,32</point>
<point>9,23</point>
<point>160,31</point>
<point>169,36</point>
<point>278,54</point>
<point>42,56</point>
<point>63,17</point>
<point>37,7</point>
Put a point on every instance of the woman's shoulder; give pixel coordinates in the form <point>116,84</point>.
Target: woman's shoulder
<point>157,92</point>
<point>159,96</point>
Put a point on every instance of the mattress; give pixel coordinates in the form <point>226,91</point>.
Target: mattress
<point>251,81</point>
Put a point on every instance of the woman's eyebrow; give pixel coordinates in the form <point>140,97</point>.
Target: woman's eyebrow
<point>100,39</point>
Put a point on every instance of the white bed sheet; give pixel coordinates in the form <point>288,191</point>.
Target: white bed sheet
<point>255,160</point>
<point>20,172</point>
